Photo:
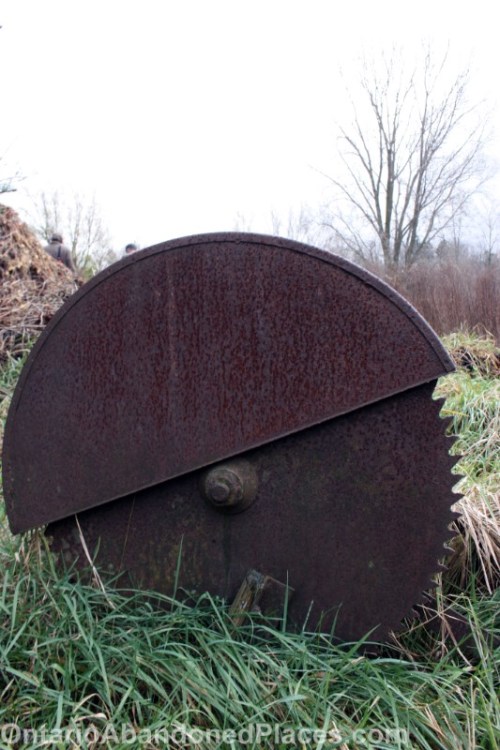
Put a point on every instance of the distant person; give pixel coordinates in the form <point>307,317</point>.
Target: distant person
<point>59,251</point>
<point>131,248</point>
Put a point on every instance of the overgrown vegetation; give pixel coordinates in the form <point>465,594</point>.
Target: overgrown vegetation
<point>116,670</point>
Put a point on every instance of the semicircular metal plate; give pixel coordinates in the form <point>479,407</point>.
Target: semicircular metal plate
<point>193,351</point>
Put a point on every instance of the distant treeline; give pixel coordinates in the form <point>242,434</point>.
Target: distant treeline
<point>452,294</point>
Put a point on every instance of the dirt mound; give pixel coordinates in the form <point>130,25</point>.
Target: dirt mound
<point>32,285</point>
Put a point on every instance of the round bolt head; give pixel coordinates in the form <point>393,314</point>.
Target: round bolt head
<point>231,485</point>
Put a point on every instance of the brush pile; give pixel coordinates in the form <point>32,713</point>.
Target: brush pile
<point>478,354</point>
<point>32,285</point>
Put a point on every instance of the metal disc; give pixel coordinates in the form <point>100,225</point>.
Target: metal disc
<point>351,514</point>
<point>239,402</point>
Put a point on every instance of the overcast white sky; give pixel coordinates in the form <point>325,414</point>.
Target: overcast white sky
<point>180,114</point>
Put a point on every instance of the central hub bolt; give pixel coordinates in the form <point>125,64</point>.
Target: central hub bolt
<point>231,485</point>
<point>223,486</point>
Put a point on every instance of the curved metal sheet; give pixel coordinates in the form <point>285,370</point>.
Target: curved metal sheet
<point>193,351</point>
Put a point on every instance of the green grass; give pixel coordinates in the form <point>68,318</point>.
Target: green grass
<point>75,656</point>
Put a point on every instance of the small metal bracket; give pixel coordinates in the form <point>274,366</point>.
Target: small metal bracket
<point>259,589</point>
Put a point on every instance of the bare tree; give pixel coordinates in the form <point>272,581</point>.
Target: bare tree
<point>80,222</point>
<point>8,182</point>
<point>302,224</point>
<point>411,159</point>
<point>489,230</point>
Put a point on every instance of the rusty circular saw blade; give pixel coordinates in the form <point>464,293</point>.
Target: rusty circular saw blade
<point>239,346</point>
<point>351,514</point>
<point>194,351</point>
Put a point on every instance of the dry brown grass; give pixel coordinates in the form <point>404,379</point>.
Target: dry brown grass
<point>453,296</point>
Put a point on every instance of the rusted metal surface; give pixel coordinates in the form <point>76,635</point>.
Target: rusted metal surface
<point>195,351</point>
<point>352,514</point>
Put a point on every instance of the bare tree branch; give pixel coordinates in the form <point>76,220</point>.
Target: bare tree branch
<point>80,222</point>
<point>411,158</point>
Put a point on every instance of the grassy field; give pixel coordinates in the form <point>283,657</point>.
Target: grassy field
<point>83,666</point>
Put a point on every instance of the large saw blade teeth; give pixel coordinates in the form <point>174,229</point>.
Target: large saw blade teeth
<point>425,597</point>
<point>440,401</point>
<point>230,404</point>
